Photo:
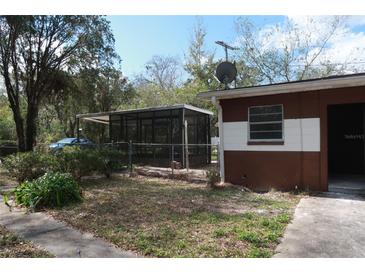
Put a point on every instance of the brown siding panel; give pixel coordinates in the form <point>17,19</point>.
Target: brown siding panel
<point>237,109</point>
<point>259,170</point>
<point>309,106</point>
<point>311,171</point>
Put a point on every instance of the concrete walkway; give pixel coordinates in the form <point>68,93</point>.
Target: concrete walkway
<point>56,237</point>
<point>329,226</point>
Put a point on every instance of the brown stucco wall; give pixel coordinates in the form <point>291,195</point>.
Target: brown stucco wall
<point>261,170</point>
<point>296,105</point>
<point>282,169</point>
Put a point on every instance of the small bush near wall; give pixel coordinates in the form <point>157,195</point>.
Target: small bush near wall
<point>50,190</point>
<point>213,177</point>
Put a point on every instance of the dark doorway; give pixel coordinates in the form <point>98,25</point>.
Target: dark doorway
<point>346,150</point>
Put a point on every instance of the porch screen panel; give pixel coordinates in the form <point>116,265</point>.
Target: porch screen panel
<point>131,128</point>
<point>115,128</point>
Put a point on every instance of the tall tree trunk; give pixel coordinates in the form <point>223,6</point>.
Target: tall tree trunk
<point>19,125</point>
<point>14,104</point>
<point>31,127</point>
<point>71,128</point>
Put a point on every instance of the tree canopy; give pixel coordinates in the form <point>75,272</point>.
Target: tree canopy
<point>54,67</point>
<point>34,53</point>
<point>288,52</point>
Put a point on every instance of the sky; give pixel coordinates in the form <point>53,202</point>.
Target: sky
<point>138,38</point>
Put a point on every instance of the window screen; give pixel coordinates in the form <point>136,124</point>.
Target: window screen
<point>266,123</point>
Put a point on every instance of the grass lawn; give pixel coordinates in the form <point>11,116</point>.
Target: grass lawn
<point>11,246</point>
<point>169,218</point>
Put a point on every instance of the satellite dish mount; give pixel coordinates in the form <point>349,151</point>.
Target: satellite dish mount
<point>226,71</point>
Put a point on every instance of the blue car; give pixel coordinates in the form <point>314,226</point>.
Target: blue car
<point>81,142</point>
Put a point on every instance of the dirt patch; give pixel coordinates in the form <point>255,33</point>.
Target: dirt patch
<point>193,175</point>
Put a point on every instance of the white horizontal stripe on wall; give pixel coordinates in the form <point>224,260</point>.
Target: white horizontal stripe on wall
<point>299,135</point>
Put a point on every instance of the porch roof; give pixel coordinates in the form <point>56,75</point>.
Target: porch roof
<point>103,117</point>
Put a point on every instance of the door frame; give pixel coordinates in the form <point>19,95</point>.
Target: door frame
<point>333,97</point>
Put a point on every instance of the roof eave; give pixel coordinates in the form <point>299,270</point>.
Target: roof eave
<point>322,84</point>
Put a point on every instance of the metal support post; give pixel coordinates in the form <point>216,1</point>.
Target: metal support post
<point>186,145</point>
<point>130,151</point>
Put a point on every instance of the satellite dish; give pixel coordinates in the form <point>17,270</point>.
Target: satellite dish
<point>226,72</point>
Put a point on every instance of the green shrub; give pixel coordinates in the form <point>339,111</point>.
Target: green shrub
<point>111,159</point>
<point>50,190</point>
<point>76,161</point>
<point>28,165</point>
<point>81,162</point>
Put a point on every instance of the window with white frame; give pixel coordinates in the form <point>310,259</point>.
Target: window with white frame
<point>265,123</point>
